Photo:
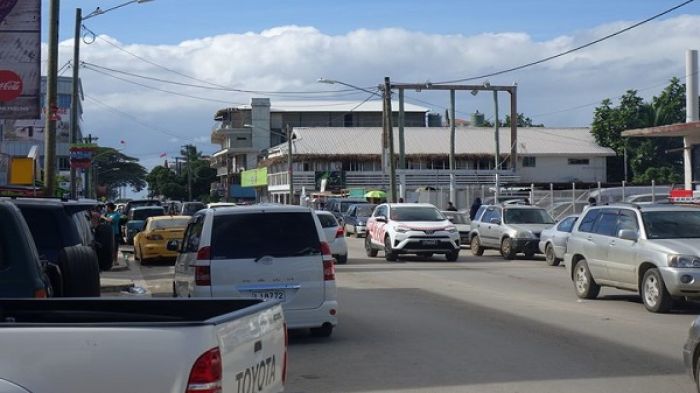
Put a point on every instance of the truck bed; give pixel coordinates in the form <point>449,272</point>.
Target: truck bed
<point>122,311</point>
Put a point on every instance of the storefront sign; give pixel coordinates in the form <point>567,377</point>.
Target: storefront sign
<point>254,178</point>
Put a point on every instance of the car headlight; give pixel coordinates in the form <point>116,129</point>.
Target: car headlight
<point>451,228</point>
<point>683,261</point>
<point>401,229</point>
<point>524,235</point>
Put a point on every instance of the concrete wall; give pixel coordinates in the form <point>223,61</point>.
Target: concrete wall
<point>260,117</point>
<point>556,169</point>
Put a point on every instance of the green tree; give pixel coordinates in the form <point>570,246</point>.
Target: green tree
<point>166,182</point>
<point>113,169</point>
<point>523,121</point>
<point>647,157</point>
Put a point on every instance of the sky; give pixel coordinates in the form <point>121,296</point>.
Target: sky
<point>286,45</point>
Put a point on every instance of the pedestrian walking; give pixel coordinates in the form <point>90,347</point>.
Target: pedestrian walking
<point>475,207</point>
<point>113,217</point>
<point>451,207</point>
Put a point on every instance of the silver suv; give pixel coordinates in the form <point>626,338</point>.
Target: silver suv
<point>510,228</point>
<point>651,249</point>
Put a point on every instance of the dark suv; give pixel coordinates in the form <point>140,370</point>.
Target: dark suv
<point>63,236</point>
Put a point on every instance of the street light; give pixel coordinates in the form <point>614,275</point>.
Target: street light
<point>76,74</point>
<point>333,82</point>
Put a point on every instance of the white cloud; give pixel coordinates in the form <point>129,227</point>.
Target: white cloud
<point>293,57</point>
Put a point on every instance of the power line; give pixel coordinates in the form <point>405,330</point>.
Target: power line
<point>560,54</point>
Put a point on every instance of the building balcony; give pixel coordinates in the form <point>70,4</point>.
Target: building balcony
<point>224,135</point>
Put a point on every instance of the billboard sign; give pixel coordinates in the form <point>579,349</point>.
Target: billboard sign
<point>254,178</point>
<point>20,59</point>
<point>81,155</point>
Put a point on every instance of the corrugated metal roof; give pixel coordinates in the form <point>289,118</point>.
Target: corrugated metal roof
<point>337,106</point>
<point>436,140</point>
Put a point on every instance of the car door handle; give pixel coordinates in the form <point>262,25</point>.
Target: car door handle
<point>589,238</point>
<point>612,243</point>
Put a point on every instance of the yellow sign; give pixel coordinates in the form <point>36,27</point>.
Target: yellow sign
<point>254,178</point>
<point>21,169</point>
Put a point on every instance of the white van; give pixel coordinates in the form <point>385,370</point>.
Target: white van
<point>273,252</point>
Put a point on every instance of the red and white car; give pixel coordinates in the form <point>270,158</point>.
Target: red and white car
<point>411,228</point>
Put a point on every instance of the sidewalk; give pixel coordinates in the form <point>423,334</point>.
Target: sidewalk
<point>124,279</point>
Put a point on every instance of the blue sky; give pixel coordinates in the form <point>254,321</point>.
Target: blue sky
<point>173,21</point>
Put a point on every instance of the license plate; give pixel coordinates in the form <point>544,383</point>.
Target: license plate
<point>430,242</point>
<point>269,295</point>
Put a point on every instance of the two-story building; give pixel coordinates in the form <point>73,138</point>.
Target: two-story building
<point>245,132</point>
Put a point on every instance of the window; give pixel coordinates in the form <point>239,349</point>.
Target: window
<point>348,120</point>
<point>479,212</point>
<point>529,162</point>
<point>254,235</point>
<point>193,234</point>
<point>588,220</point>
<point>416,214</point>
<point>527,216</point>
<point>327,220</point>
<point>567,224</point>
<point>579,161</point>
<point>491,214</point>
<point>680,224</point>
<point>606,224</point>
<point>627,221</point>
<point>381,211</point>
<point>63,163</point>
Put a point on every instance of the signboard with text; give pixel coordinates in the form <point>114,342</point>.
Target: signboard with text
<point>81,155</point>
<point>254,178</point>
<point>20,59</point>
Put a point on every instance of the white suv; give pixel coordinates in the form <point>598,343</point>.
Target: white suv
<point>273,252</point>
<point>411,228</point>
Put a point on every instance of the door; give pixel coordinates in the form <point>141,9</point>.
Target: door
<point>622,254</point>
<point>269,255</point>
<point>375,228</point>
<point>561,234</point>
<point>604,231</point>
<point>184,264</point>
<point>488,231</point>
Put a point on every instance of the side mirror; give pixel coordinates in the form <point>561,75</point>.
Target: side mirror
<point>496,221</point>
<point>628,234</point>
<point>173,245</point>
<point>380,219</point>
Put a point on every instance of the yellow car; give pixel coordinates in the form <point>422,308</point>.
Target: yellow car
<point>150,243</point>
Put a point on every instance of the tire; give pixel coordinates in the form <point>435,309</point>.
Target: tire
<point>584,285</point>
<point>104,246</point>
<point>452,256</point>
<point>507,251</point>
<point>369,248</point>
<point>342,259</point>
<point>697,375</point>
<point>347,230</point>
<point>80,272</point>
<point>389,255</point>
<point>549,256</point>
<point>324,331</point>
<point>426,255</point>
<point>475,246</point>
<point>654,294</point>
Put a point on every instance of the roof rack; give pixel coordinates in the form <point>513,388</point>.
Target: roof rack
<point>631,204</point>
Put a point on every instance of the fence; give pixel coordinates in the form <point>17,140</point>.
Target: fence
<point>558,201</point>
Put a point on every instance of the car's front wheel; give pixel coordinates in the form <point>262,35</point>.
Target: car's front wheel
<point>389,253</point>
<point>475,246</point>
<point>507,250</point>
<point>585,286</point>
<point>654,294</point>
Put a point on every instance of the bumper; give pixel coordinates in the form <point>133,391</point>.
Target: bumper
<point>527,245</point>
<point>360,229</point>
<point>672,278</point>
<point>310,318</point>
<point>407,244</point>
<point>157,251</point>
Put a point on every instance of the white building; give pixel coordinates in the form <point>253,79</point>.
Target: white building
<point>352,158</point>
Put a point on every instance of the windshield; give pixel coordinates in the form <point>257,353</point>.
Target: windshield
<point>365,210</point>
<point>527,216</point>
<point>143,214</point>
<point>345,205</point>
<point>179,223</point>
<point>680,224</point>
<point>457,218</point>
<point>190,208</point>
<point>416,213</point>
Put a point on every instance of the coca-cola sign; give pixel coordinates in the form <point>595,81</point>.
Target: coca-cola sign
<point>10,85</point>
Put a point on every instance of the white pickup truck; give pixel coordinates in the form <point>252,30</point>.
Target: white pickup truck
<point>142,345</point>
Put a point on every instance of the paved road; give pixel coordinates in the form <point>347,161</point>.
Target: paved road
<point>480,325</point>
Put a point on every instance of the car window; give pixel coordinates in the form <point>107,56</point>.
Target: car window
<point>416,213</point>
<point>479,213</point>
<point>168,224</point>
<point>143,214</point>
<point>364,210</point>
<point>346,204</point>
<point>491,213</point>
<point>667,224</point>
<point>607,223</point>
<point>44,227</point>
<point>381,211</point>
<point>189,209</point>
<point>255,235</point>
<point>351,211</point>
<point>193,235</point>
<point>327,220</point>
<point>567,224</point>
<point>588,220</point>
<point>627,220</point>
<point>527,216</point>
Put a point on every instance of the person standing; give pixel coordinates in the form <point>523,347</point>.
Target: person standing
<point>474,208</point>
<point>451,207</point>
<point>592,202</point>
<point>113,217</point>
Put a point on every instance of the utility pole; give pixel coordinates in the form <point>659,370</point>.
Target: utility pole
<point>390,138</point>
<point>188,154</point>
<point>290,165</point>
<point>453,186</point>
<point>402,124</point>
<point>497,167</point>
<point>75,99</point>
<point>89,172</point>
<point>51,102</point>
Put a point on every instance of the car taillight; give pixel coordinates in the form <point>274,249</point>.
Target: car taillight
<point>40,293</point>
<point>202,275</point>
<point>205,376</point>
<point>325,249</point>
<point>154,237</point>
<point>329,270</point>
<point>204,254</point>
<point>340,232</point>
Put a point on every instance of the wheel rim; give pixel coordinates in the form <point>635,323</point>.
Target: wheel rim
<point>581,279</point>
<point>549,253</point>
<point>651,290</point>
<point>475,243</point>
<point>506,247</point>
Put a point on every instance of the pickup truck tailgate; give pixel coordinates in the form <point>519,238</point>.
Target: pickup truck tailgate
<point>138,356</point>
